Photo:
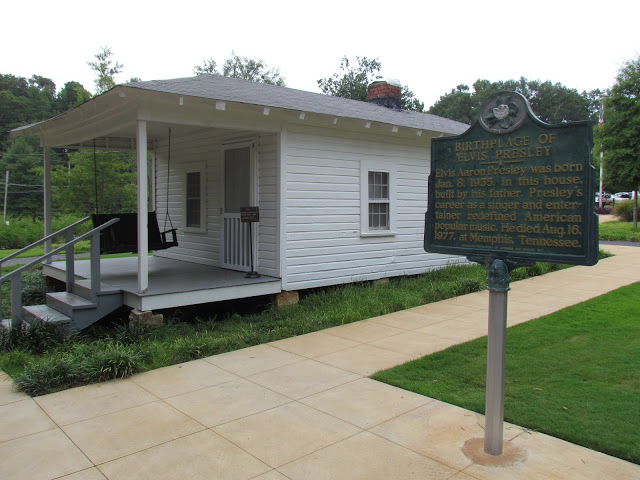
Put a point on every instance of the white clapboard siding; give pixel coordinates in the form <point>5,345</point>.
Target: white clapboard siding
<point>323,239</point>
<point>266,150</point>
<point>196,149</point>
<point>204,148</point>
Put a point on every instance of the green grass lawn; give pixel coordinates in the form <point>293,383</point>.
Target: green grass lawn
<point>619,231</point>
<point>81,247</point>
<point>574,374</point>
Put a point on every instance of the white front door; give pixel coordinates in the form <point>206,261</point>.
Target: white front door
<point>238,192</point>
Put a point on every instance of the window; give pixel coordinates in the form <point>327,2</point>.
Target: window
<point>194,196</point>
<point>194,206</point>
<point>377,199</point>
<point>378,183</point>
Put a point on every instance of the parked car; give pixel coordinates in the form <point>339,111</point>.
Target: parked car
<point>620,196</point>
<point>607,198</point>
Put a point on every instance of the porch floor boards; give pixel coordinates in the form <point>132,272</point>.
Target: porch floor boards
<point>178,282</point>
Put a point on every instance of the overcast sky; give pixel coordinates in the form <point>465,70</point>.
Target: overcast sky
<point>429,46</point>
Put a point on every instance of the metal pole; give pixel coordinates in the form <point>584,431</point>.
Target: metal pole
<point>252,273</point>
<point>498,286</point>
<point>6,191</point>
<point>601,176</point>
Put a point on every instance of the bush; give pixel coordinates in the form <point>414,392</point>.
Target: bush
<point>23,231</point>
<point>603,210</point>
<point>20,232</point>
<point>36,338</point>
<point>79,365</point>
<point>624,210</point>
<point>33,291</point>
<point>50,374</point>
<point>112,361</point>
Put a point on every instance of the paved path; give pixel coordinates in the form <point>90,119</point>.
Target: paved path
<point>302,408</point>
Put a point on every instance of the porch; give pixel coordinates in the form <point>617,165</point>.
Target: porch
<point>172,283</point>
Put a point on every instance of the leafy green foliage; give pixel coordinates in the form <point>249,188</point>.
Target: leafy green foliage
<point>620,133</point>
<point>105,70</point>
<point>24,193</point>
<point>75,187</point>
<point>22,102</point>
<point>21,232</point>
<point>72,95</point>
<point>33,291</point>
<point>352,82</point>
<point>254,70</point>
<point>551,102</point>
<point>35,339</point>
<point>48,375</point>
<point>112,361</point>
<point>625,210</point>
<point>572,374</point>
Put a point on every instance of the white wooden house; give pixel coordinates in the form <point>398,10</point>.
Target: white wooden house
<point>341,185</point>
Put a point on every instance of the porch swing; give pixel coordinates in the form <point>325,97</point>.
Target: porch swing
<point>122,236</point>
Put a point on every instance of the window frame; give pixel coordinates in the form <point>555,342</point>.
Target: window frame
<point>201,170</point>
<point>367,167</point>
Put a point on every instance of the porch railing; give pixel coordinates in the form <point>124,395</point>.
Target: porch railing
<point>69,248</point>
<point>237,245</point>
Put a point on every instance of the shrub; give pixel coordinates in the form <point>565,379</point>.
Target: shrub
<point>33,291</point>
<point>624,210</point>
<point>112,361</point>
<point>20,232</point>
<point>190,348</point>
<point>603,210</point>
<point>48,375</point>
<point>23,231</point>
<point>36,338</point>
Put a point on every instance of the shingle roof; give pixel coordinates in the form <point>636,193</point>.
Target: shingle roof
<point>237,90</point>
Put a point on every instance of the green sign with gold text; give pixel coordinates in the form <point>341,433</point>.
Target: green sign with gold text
<point>513,188</point>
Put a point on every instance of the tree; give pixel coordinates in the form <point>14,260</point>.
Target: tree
<point>251,69</point>
<point>24,101</point>
<point>74,185</point>
<point>72,95</point>
<point>105,70</point>
<point>620,133</point>
<point>458,105</point>
<point>551,102</point>
<point>208,66</point>
<point>353,82</point>
<point>23,161</point>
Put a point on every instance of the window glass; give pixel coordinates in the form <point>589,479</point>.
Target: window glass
<point>236,179</point>
<point>378,200</point>
<point>193,199</point>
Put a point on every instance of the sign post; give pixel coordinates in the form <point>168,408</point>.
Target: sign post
<point>509,192</point>
<point>498,286</point>
<point>250,215</point>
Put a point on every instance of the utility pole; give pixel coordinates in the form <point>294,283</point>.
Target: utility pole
<point>6,191</point>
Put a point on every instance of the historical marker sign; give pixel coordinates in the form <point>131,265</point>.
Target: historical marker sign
<point>514,188</point>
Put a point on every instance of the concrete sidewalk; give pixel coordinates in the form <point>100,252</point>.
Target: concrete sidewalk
<point>303,408</point>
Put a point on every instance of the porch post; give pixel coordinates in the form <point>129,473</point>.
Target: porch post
<point>46,184</point>
<point>143,195</point>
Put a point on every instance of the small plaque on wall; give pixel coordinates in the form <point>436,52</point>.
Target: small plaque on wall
<point>249,214</point>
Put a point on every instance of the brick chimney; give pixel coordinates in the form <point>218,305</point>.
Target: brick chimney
<point>386,93</point>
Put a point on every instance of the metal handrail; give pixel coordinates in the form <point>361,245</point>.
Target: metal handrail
<point>42,240</point>
<point>41,259</point>
<point>16,278</point>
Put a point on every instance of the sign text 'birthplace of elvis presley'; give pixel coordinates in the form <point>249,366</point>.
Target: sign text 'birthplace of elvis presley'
<point>513,188</point>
